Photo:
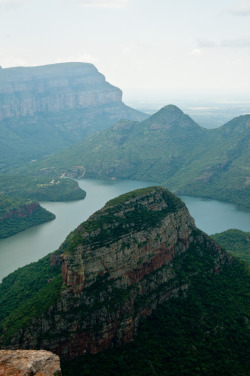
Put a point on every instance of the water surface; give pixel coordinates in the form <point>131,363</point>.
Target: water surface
<point>211,216</point>
<point>36,242</point>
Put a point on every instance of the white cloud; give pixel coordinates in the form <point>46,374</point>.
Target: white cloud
<point>6,4</point>
<point>229,43</point>
<point>236,43</point>
<point>126,50</point>
<point>195,52</point>
<point>205,43</point>
<point>242,9</point>
<point>112,4</point>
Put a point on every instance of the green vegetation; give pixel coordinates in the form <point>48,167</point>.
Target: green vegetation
<point>174,203</point>
<point>41,188</point>
<point>106,225</point>
<point>27,293</point>
<point>19,214</point>
<point>236,242</point>
<point>17,195</point>
<point>170,149</point>
<point>204,333</point>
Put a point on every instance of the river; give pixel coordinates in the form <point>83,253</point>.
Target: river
<point>28,246</point>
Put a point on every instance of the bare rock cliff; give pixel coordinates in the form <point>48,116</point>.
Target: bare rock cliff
<point>29,363</point>
<point>116,268</point>
<point>53,88</point>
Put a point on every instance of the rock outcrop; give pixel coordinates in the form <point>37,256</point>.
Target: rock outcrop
<point>47,108</point>
<point>29,363</point>
<point>53,88</point>
<point>116,268</point>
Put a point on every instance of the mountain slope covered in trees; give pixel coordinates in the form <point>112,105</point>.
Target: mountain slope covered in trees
<point>138,269</point>
<point>168,148</point>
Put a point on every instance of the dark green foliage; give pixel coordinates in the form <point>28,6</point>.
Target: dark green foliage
<point>41,188</point>
<point>19,214</point>
<point>139,217</point>
<point>28,292</point>
<point>173,202</point>
<point>202,334</point>
<point>236,242</point>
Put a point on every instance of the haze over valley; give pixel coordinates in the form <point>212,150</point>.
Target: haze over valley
<point>124,188</point>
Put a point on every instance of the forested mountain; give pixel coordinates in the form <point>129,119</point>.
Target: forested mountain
<point>168,148</point>
<point>19,214</point>
<point>137,270</point>
<point>236,242</point>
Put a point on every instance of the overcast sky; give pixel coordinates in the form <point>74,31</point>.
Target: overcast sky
<point>136,44</point>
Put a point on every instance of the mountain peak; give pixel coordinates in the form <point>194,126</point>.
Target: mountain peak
<point>116,268</point>
<point>172,108</point>
<point>171,116</point>
<point>240,123</point>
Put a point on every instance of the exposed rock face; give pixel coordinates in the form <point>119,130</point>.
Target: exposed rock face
<point>116,268</point>
<point>136,251</point>
<point>29,363</point>
<point>47,108</point>
<point>53,88</point>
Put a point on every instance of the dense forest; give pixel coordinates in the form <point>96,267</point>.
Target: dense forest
<point>203,334</point>
<point>236,242</point>
<point>18,214</point>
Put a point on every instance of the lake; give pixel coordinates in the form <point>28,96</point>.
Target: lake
<point>211,216</point>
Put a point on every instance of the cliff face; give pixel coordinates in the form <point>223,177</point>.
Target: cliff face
<point>29,363</point>
<point>116,268</point>
<point>53,88</point>
<point>47,108</point>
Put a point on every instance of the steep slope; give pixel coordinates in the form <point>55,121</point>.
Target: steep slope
<point>151,150</point>
<point>46,108</point>
<point>205,332</point>
<point>140,250</point>
<point>18,214</point>
<point>225,170</point>
<point>236,242</point>
<point>171,149</point>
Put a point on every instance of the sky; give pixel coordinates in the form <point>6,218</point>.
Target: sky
<point>145,45</point>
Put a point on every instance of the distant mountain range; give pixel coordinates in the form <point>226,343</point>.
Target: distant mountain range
<point>44,109</point>
<point>168,148</point>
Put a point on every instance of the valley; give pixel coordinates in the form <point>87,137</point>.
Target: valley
<point>126,268</point>
<point>140,255</point>
<point>211,216</point>
<point>168,148</point>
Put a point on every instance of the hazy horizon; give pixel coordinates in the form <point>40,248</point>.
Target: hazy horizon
<point>160,45</point>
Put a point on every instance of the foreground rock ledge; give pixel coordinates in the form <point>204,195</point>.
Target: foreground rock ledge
<point>29,363</point>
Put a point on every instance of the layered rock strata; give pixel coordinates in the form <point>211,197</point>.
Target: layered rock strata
<point>53,88</point>
<point>116,268</point>
<point>48,108</point>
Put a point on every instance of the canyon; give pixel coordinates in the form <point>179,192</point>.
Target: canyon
<point>109,274</point>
